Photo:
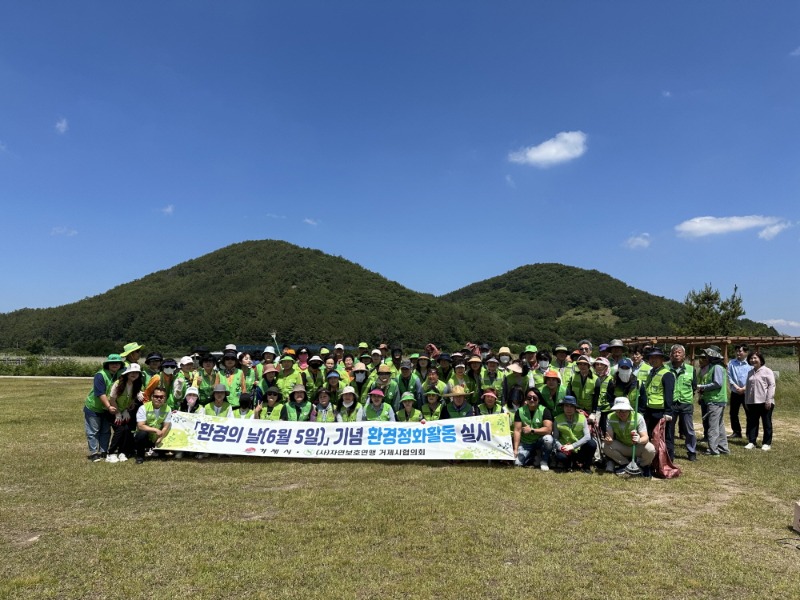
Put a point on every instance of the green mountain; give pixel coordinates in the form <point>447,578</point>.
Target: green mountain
<point>552,303</point>
<point>243,292</point>
<point>240,294</point>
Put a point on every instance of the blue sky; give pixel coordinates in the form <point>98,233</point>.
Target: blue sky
<point>437,143</point>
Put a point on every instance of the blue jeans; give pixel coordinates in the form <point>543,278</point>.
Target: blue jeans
<point>98,430</point>
<point>527,452</point>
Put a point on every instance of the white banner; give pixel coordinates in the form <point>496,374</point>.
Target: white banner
<point>474,438</point>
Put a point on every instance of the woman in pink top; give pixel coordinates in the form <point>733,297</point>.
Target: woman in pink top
<point>759,399</point>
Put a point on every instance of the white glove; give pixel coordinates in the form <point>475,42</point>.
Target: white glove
<point>126,416</point>
<point>635,437</point>
<point>118,420</point>
<point>668,418</point>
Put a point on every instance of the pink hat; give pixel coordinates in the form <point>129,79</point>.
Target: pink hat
<point>376,392</point>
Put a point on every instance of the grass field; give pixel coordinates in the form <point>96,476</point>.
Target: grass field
<point>256,528</point>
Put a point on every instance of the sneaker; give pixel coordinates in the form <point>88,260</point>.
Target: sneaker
<point>710,453</point>
<point>150,453</point>
<point>609,466</point>
<point>96,457</point>
<point>692,456</point>
<point>112,458</point>
<point>721,451</point>
<point>734,436</point>
<point>750,446</point>
<point>647,472</point>
<point>122,457</point>
<point>544,467</point>
<point>765,447</point>
<point>139,460</point>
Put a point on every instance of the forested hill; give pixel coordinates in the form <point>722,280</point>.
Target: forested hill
<point>242,292</point>
<point>553,303</point>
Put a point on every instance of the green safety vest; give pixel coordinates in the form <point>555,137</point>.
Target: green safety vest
<point>535,421</point>
<point>584,392</point>
<point>250,378</point>
<point>458,413</point>
<point>304,408</point>
<point>643,372</point>
<point>237,414</point>
<point>286,382</point>
<point>410,387</point>
<point>205,386</point>
<point>155,417</point>
<point>602,401</point>
<point>683,383</point>
<point>431,414</point>
<point>622,431</point>
<point>271,415</point>
<point>655,388</point>
<point>223,411</point>
<point>415,417</point>
<point>485,410</point>
<point>312,382</point>
<point>569,434</point>
<point>124,400</point>
<point>440,387</point>
<point>552,403</point>
<point>93,402</point>
<point>370,414</point>
<point>719,396</point>
<point>496,384</point>
<point>352,417</point>
<point>234,384</point>
<point>326,415</point>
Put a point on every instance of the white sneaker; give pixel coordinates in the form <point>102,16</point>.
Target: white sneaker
<point>122,457</point>
<point>609,466</point>
<point>150,453</point>
<point>765,447</point>
<point>749,446</point>
<point>112,458</point>
<point>544,467</point>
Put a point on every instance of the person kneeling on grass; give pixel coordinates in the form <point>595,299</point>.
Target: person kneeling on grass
<point>533,428</point>
<point>623,432</point>
<point>153,421</point>
<point>573,444</point>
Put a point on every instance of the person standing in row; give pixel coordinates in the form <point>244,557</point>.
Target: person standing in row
<point>738,370</point>
<point>760,400</point>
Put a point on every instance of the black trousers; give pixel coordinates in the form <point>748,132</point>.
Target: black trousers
<point>756,413</point>
<point>142,442</point>
<point>736,402</point>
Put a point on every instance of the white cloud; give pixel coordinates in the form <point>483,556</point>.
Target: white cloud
<point>795,52</point>
<point>313,222</point>
<point>63,230</point>
<point>703,226</point>
<point>666,94</point>
<point>62,125</point>
<point>510,182</point>
<point>638,241</point>
<point>770,232</point>
<point>781,323</point>
<point>168,209</point>
<point>565,146</point>
<point>274,216</point>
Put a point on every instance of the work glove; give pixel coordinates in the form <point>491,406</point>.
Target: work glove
<point>126,416</point>
<point>668,418</point>
<point>635,437</point>
<point>118,420</point>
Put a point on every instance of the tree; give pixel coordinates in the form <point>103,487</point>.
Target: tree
<point>708,314</point>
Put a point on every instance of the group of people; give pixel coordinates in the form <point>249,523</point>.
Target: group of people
<point>565,409</point>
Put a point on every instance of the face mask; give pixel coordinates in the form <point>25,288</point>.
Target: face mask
<point>169,370</point>
<point>543,364</point>
<point>347,403</point>
<point>624,375</point>
<point>505,359</point>
<point>360,377</point>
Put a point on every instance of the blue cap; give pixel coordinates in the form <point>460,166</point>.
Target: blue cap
<point>625,363</point>
<point>444,356</point>
<point>569,400</point>
<point>333,373</point>
<point>603,347</point>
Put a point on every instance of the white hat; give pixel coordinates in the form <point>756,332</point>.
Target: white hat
<point>230,347</point>
<point>349,390</point>
<point>339,347</point>
<point>313,358</point>
<point>186,360</point>
<point>621,403</point>
<point>376,351</point>
<point>132,368</point>
<point>269,349</point>
<point>603,361</point>
<point>192,390</point>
